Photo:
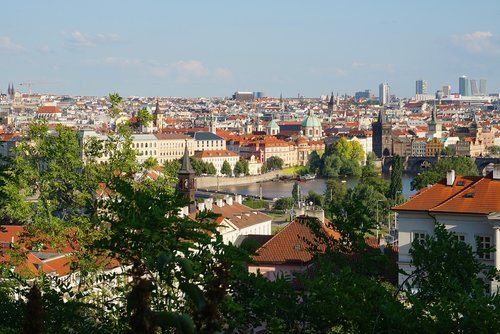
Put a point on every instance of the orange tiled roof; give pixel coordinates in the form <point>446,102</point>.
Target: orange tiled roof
<point>291,244</point>
<point>214,153</point>
<point>468,195</point>
<point>48,110</point>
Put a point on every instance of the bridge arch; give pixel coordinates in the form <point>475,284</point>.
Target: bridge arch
<point>485,168</point>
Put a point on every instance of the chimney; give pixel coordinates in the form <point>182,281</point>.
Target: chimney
<point>239,199</point>
<point>201,206</point>
<point>450,177</point>
<point>208,203</point>
<point>496,172</point>
<point>229,200</point>
<point>220,202</point>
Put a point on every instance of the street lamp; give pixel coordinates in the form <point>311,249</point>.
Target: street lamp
<point>378,222</point>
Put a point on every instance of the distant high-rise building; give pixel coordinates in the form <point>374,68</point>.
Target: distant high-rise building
<point>384,93</point>
<point>464,86</point>
<point>446,90</point>
<point>482,87</point>
<point>363,95</point>
<point>421,87</point>
<point>474,89</point>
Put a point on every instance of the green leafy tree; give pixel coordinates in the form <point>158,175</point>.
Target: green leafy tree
<point>116,105</point>
<point>210,169</point>
<point>395,192</point>
<point>461,165</point>
<point>315,163</point>
<point>198,165</point>
<point>274,163</point>
<point>315,198</point>
<point>334,195</point>
<point>241,167</point>
<point>226,168</point>
<point>284,203</point>
<point>343,158</point>
<point>295,192</point>
<point>494,150</point>
<point>171,170</point>
<point>150,163</point>
<point>144,118</point>
<point>450,281</point>
<point>448,151</point>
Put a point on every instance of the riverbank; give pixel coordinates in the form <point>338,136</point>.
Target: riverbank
<point>204,182</point>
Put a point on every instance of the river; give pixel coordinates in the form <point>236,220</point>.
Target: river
<point>278,189</point>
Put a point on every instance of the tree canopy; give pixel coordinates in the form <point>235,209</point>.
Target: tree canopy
<point>342,158</point>
<point>462,166</point>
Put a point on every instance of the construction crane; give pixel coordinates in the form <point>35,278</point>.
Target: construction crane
<point>31,83</point>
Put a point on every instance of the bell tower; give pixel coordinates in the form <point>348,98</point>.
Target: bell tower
<point>186,175</point>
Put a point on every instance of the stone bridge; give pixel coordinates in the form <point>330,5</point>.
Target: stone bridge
<point>412,164</point>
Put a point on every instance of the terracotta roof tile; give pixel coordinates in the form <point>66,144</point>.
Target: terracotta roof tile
<point>291,244</point>
<point>429,198</point>
<point>468,195</point>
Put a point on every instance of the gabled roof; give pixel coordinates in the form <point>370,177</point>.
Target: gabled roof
<point>206,136</point>
<point>467,195</point>
<point>291,245</point>
<point>241,215</point>
<point>215,153</point>
<point>48,110</point>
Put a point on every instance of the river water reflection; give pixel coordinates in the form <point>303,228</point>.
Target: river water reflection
<point>278,189</point>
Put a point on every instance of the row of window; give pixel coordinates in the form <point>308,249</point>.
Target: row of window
<point>484,242</point>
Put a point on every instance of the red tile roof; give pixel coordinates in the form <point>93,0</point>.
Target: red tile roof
<point>48,110</point>
<point>468,195</point>
<point>215,153</point>
<point>291,245</point>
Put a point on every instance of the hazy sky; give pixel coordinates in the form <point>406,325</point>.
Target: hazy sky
<point>214,48</point>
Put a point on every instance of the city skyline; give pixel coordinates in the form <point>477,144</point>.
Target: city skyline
<point>198,48</point>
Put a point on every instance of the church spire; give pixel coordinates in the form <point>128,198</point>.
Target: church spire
<point>186,163</point>
<point>434,113</point>
<point>157,107</point>
<point>186,185</point>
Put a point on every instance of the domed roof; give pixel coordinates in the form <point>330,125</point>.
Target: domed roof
<point>311,121</point>
<point>302,140</point>
<point>272,125</point>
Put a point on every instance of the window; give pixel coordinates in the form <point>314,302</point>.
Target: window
<point>484,242</point>
<point>460,237</point>
<point>419,236</point>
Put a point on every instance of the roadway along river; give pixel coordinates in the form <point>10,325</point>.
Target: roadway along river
<point>278,189</point>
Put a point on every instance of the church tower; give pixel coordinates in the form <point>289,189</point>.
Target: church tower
<point>158,117</point>
<point>186,185</point>
<point>213,124</point>
<point>382,135</point>
<point>435,126</point>
<point>331,103</point>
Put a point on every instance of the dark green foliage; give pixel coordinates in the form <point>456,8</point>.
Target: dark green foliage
<point>33,318</point>
<point>226,168</point>
<point>241,167</point>
<point>450,281</point>
<point>342,158</point>
<point>314,198</point>
<point>315,163</point>
<point>144,118</point>
<point>274,163</point>
<point>334,195</point>
<point>494,150</point>
<point>462,165</point>
<point>295,192</point>
<point>284,203</point>
<point>395,192</point>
